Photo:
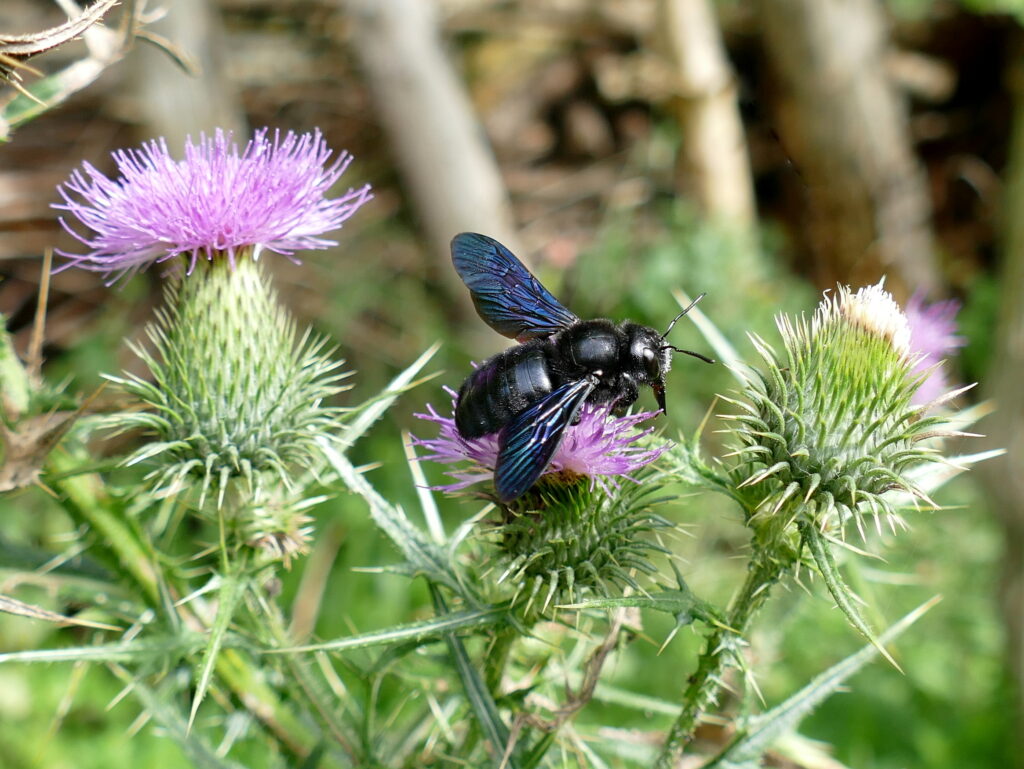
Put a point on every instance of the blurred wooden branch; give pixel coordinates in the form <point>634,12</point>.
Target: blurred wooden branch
<point>23,47</point>
<point>714,163</point>
<point>1004,476</point>
<point>846,127</point>
<point>441,151</point>
<point>105,48</point>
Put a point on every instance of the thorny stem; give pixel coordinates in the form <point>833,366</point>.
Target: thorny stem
<point>704,684</point>
<point>497,658</point>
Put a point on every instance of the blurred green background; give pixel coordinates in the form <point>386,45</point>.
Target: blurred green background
<point>759,152</point>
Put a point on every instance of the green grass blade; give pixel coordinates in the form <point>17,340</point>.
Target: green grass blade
<point>374,409</point>
<point>724,351</point>
<point>132,651</point>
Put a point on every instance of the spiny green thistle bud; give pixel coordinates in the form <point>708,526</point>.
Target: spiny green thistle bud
<point>278,527</point>
<point>568,537</point>
<point>829,427</point>
<point>236,395</point>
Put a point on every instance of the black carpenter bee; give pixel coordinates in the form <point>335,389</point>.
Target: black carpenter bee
<point>532,392</point>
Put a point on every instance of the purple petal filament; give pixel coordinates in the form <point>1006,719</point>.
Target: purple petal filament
<point>933,338</point>
<point>272,195</point>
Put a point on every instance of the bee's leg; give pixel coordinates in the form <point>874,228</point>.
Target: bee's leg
<point>627,394</point>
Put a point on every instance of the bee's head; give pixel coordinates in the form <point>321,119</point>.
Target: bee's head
<point>652,354</point>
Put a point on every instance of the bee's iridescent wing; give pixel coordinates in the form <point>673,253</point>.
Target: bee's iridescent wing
<point>529,441</point>
<point>506,295</point>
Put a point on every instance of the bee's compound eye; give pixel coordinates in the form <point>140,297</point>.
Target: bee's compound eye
<point>652,364</point>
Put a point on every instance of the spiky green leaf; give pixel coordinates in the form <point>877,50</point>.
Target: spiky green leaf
<point>758,734</point>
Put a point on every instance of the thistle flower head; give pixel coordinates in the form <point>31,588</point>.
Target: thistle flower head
<point>600,446</point>
<point>933,338</point>
<point>829,427</point>
<point>871,309</point>
<point>217,201</point>
<point>566,539</point>
<point>236,395</point>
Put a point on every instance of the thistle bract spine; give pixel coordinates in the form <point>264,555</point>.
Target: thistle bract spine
<point>829,427</point>
<point>237,394</point>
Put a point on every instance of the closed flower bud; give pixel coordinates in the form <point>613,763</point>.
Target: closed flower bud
<point>829,426</point>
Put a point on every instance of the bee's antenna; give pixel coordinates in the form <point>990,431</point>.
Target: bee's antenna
<point>677,317</point>
<point>689,352</point>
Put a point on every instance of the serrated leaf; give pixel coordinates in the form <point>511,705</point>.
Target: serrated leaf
<point>681,604</point>
<point>761,731</point>
<point>844,597</point>
<point>22,609</point>
<point>230,592</point>
<point>479,696</point>
<point>428,630</point>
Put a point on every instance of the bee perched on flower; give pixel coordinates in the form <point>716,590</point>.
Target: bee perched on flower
<point>236,396</point>
<point>585,524</point>
<point>601,448</point>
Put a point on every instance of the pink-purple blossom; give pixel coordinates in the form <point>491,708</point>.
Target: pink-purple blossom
<point>272,195</point>
<point>601,446</point>
<point>933,338</point>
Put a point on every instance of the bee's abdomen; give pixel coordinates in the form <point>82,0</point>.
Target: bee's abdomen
<point>502,387</point>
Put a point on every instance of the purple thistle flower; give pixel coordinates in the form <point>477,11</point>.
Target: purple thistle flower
<point>932,338</point>
<point>270,196</point>
<point>600,446</point>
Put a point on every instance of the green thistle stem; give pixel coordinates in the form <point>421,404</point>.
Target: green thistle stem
<point>272,619</point>
<point>497,658</point>
<point>704,685</point>
<point>85,499</point>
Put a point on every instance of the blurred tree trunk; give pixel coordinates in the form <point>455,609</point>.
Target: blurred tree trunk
<point>449,169</point>
<point>714,166</point>
<point>175,104</point>
<point>1004,476</point>
<point>846,128</point>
